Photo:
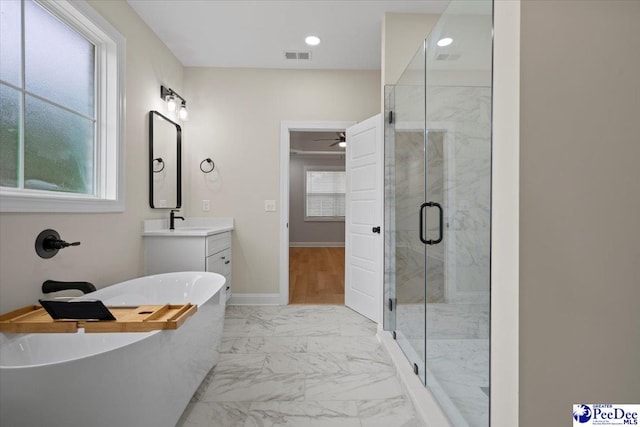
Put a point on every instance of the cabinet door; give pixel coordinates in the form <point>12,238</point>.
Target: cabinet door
<point>227,287</point>
<point>170,254</point>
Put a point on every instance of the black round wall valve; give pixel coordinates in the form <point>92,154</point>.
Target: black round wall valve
<point>48,243</point>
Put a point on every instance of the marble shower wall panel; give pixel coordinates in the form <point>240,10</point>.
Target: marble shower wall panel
<point>435,279</point>
<point>472,265</point>
<point>409,195</point>
<point>410,277</point>
<point>409,189</point>
<point>435,193</point>
<point>410,105</point>
<point>435,189</point>
<point>465,113</point>
<point>446,321</point>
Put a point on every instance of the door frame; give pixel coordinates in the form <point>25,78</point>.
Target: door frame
<point>286,127</point>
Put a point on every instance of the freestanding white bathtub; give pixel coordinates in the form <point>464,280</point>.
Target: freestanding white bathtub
<point>115,379</point>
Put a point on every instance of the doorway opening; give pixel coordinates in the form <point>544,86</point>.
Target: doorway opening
<point>312,168</point>
<point>316,217</point>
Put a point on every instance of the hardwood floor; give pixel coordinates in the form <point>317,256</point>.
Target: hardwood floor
<point>316,275</point>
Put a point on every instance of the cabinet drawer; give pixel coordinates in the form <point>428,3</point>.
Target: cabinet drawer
<point>215,264</point>
<point>225,257</point>
<point>218,242</point>
<point>220,262</point>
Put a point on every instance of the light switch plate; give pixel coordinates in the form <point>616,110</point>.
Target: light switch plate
<point>270,205</point>
<point>206,206</point>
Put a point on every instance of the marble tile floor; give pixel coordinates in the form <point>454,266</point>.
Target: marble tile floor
<point>300,366</point>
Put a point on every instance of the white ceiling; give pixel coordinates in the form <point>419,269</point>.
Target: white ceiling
<point>241,33</point>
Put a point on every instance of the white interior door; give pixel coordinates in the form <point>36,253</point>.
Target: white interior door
<point>364,207</point>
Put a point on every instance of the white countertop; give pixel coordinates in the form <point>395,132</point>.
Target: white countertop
<point>190,227</point>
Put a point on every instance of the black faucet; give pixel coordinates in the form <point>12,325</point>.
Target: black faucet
<point>49,286</point>
<point>172,218</point>
<point>48,243</point>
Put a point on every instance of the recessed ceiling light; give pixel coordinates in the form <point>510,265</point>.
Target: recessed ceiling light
<point>312,40</point>
<point>445,41</point>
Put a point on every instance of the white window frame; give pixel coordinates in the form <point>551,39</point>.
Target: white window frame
<point>320,169</point>
<point>110,121</point>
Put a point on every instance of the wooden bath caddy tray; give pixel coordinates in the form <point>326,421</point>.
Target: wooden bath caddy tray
<point>142,318</point>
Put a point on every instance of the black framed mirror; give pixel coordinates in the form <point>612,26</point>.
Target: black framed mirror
<point>165,162</point>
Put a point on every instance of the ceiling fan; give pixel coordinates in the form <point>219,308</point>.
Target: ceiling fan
<point>340,141</point>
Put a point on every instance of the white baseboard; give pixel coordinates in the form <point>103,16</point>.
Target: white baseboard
<point>423,401</point>
<point>254,299</point>
<point>316,244</point>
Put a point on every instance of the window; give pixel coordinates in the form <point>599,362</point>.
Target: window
<point>324,194</point>
<point>61,91</point>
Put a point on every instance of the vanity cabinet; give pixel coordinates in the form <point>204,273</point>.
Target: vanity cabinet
<point>179,252</point>
<point>219,258</point>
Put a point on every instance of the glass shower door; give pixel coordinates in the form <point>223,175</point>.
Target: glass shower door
<point>458,122</point>
<point>437,211</point>
<point>405,192</point>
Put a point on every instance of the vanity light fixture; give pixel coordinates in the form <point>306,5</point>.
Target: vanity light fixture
<point>446,41</point>
<point>171,103</point>
<point>312,40</point>
<point>183,113</point>
<point>169,96</point>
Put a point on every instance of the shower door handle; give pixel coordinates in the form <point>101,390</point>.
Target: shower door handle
<point>428,205</point>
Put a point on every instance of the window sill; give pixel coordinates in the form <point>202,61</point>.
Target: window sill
<point>323,219</point>
<point>47,203</point>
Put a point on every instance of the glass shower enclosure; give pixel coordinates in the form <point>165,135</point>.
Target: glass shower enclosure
<point>437,211</point>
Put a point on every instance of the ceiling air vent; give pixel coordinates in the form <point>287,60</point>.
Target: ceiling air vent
<point>297,55</point>
<point>447,56</point>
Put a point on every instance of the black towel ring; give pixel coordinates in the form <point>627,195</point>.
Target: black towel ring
<point>210,164</point>
<point>160,162</point>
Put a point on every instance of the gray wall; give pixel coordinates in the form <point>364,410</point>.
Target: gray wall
<point>301,231</point>
<point>579,207</point>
